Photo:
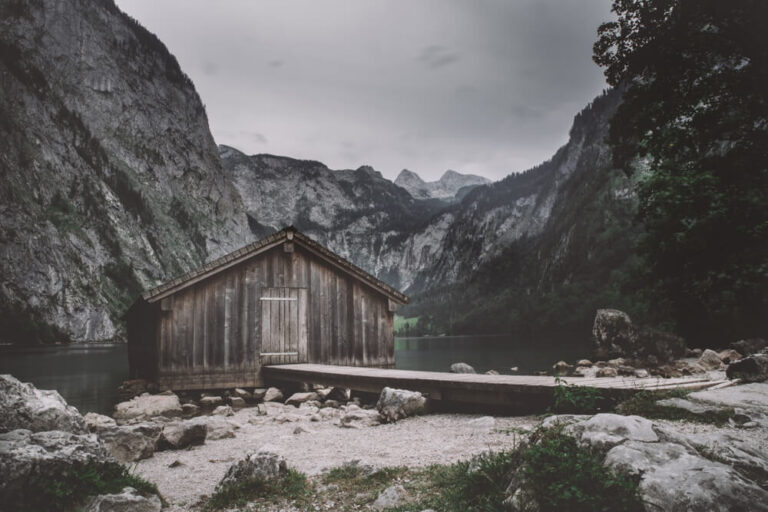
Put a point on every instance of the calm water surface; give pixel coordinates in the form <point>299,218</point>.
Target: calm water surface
<point>87,376</point>
<point>500,353</point>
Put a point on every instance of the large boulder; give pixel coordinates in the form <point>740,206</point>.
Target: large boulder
<point>678,479</point>
<point>676,471</point>
<point>129,443</point>
<point>614,335</point>
<point>129,500</point>
<point>263,465</point>
<point>396,404</point>
<point>22,406</point>
<point>462,368</point>
<point>749,346</point>
<point>27,458</point>
<point>148,406</point>
<point>710,360</point>
<point>752,368</point>
<point>181,434</point>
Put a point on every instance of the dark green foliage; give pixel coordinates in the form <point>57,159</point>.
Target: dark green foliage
<point>21,325</point>
<point>561,475</point>
<point>70,489</point>
<point>695,110</point>
<point>644,404</point>
<point>570,399</point>
<point>477,485</point>
<point>292,485</point>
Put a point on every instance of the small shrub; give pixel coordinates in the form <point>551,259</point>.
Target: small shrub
<point>644,404</point>
<point>71,488</point>
<point>570,399</point>
<point>561,475</point>
<point>292,485</point>
<point>477,485</point>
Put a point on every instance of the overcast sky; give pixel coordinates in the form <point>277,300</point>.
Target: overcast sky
<point>479,86</point>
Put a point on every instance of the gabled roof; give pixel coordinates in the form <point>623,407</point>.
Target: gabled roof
<point>249,251</point>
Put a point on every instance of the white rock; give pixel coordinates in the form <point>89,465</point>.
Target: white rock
<point>129,500</point>
<point>297,399</point>
<point>676,480</point>
<point>223,410</point>
<point>148,406</point>
<point>24,406</point>
<point>396,404</point>
<point>181,434</point>
<point>27,457</point>
<point>129,443</point>
<point>391,497</point>
<point>95,422</point>
<point>607,430</point>
<point>263,465</point>
<point>462,368</point>
<point>273,395</point>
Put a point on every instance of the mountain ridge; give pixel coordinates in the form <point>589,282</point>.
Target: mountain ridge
<point>447,187</point>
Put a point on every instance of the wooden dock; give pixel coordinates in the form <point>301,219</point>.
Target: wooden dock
<point>517,391</point>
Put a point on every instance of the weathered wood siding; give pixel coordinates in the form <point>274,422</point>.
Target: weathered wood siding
<point>209,335</point>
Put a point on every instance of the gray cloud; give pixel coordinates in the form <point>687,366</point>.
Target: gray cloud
<point>482,86</point>
<point>435,56</point>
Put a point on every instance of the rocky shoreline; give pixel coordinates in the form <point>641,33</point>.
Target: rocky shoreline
<point>703,450</point>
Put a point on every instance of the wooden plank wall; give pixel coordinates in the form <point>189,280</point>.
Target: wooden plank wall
<point>209,334</point>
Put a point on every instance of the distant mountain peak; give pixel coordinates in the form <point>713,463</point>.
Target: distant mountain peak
<point>447,187</point>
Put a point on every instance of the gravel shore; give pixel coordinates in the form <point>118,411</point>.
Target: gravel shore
<point>414,442</point>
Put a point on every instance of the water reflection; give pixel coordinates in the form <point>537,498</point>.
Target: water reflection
<point>484,353</point>
<point>87,376</point>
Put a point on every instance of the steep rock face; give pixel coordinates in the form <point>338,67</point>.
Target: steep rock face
<point>423,244</point>
<point>451,185</point>
<point>111,179</point>
<point>355,213</point>
<point>523,207</point>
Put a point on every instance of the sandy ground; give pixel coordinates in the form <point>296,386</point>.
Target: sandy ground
<point>413,442</point>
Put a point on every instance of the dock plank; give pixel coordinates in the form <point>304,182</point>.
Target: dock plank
<point>502,390</point>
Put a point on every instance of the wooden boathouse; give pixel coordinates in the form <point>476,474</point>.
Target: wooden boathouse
<point>282,300</point>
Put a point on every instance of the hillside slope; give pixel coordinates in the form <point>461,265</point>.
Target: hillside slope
<point>111,179</point>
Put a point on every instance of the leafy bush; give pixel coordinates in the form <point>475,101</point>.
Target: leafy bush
<point>70,489</point>
<point>570,399</point>
<point>561,475</point>
<point>292,485</point>
<point>477,485</point>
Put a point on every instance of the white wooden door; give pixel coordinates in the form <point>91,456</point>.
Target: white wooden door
<point>283,325</point>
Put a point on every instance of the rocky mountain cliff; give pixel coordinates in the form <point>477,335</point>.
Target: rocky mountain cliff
<point>113,184</point>
<point>111,179</point>
<point>451,186</point>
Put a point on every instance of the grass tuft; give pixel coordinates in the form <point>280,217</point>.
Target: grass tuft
<point>292,485</point>
<point>644,404</point>
<point>71,488</point>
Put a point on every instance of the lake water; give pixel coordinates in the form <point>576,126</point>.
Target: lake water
<point>87,376</point>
